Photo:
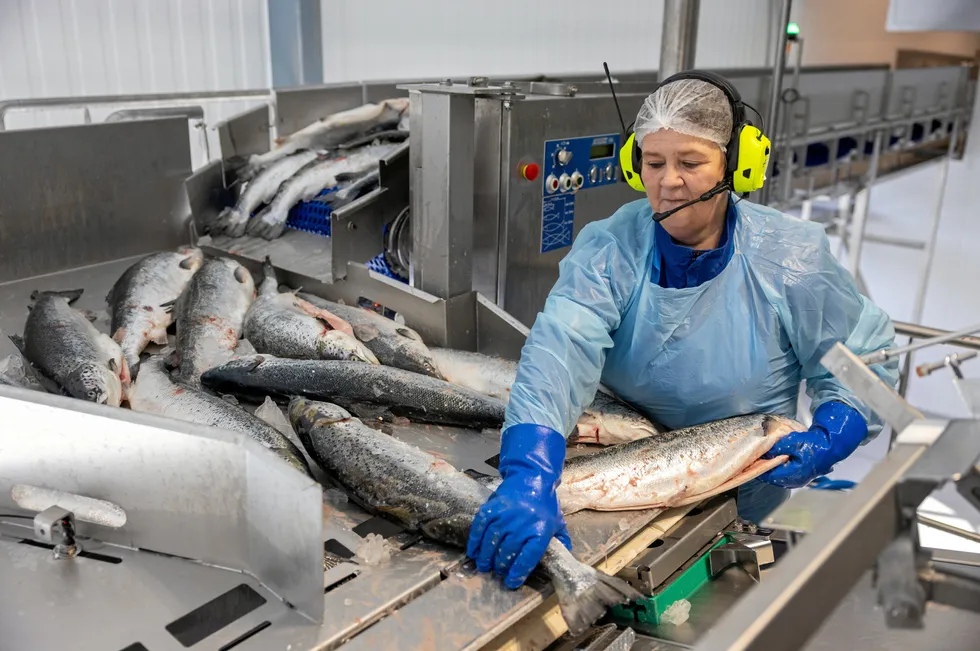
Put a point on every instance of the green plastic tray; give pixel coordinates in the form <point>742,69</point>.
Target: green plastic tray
<point>649,609</point>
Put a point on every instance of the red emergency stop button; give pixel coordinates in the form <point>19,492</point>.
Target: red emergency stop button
<point>530,171</point>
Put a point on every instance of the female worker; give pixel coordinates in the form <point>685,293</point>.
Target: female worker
<point>718,310</point>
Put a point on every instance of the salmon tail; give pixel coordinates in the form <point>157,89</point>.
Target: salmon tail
<point>268,270</point>
<point>18,341</point>
<point>71,295</point>
<point>134,369</point>
<point>585,601</point>
<point>231,222</point>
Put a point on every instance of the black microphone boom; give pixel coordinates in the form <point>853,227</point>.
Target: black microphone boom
<point>713,192</point>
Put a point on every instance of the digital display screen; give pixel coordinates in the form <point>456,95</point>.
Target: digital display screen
<point>601,151</point>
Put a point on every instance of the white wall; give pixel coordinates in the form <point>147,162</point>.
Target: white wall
<point>59,48</point>
<point>393,39</point>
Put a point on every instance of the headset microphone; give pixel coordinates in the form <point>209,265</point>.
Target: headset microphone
<point>746,153</point>
<point>718,189</point>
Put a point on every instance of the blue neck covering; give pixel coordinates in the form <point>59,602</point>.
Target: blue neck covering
<point>676,266</point>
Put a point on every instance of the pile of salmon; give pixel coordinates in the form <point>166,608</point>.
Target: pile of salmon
<point>193,338</point>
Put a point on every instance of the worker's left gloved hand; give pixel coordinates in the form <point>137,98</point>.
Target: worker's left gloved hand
<point>836,432</point>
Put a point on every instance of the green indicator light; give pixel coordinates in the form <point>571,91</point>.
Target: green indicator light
<point>793,29</point>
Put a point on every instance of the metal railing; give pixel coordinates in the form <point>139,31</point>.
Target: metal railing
<point>102,100</point>
<point>928,336</point>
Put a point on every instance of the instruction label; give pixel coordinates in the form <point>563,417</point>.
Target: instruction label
<point>557,222</point>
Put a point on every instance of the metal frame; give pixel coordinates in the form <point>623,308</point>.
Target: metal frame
<point>442,173</point>
<point>870,524</point>
<point>679,41</point>
<point>251,511</point>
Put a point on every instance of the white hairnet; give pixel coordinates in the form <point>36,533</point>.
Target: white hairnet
<point>689,106</point>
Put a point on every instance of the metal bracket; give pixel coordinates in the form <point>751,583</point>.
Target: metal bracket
<point>952,361</point>
<point>57,525</point>
<point>734,553</point>
<point>868,387</point>
<point>681,543</point>
<point>896,578</point>
<point>950,589</point>
<point>607,637</point>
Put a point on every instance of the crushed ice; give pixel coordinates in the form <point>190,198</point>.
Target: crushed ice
<point>270,412</point>
<point>373,550</point>
<point>677,613</point>
<point>13,368</point>
<point>334,496</point>
<point>245,349</point>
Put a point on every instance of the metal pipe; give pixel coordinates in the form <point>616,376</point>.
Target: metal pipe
<point>799,63</point>
<point>189,112</point>
<point>679,40</point>
<point>952,361</point>
<point>809,582</point>
<point>778,64</point>
<point>923,332</point>
<point>948,528</point>
<point>883,355</point>
<point>862,201</point>
<point>895,241</point>
<point>85,102</point>
<point>920,296</point>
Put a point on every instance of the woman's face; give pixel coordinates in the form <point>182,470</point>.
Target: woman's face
<point>676,169</point>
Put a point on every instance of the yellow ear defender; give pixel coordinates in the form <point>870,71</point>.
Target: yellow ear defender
<point>747,152</point>
<point>631,177</point>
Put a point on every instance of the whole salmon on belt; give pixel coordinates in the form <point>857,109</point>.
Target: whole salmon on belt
<point>424,493</point>
<point>364,388</point>
<point>233,220</point>
<point>154,392</point>
<point>210,314</point>
<point>285,325</point>
<point>606,421</point>
<point>64,345</point>
<point>392,343</point>
<point>141,299</point>
<point>334,130</point>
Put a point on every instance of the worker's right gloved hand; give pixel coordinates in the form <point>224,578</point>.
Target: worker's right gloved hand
<point>514,527</point>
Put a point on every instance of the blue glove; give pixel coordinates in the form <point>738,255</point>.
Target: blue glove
<point>836,432</point>
<point>514,527</point>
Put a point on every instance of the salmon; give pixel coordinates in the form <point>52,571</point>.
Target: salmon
<point>675,468</point>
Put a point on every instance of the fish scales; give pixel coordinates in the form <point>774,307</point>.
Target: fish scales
<point>61,343</point>
<point>141,300</point>
<point>426,494</point>
<point>155,392</point>
<point>393,344</point>
<point>354,385</point>
<point>210,315</point>
<point>285,325</point>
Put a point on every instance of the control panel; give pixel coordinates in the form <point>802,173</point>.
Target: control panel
<point>570,166</point>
